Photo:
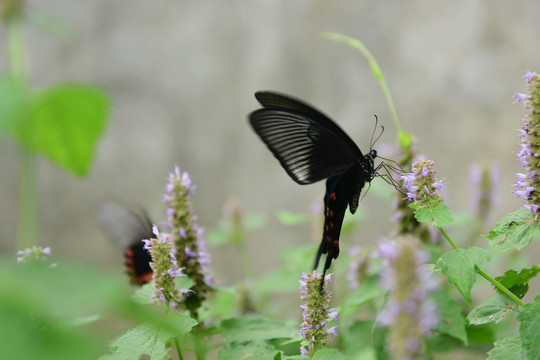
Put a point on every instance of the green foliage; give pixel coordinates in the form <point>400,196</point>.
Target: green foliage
<point>514,231</point>
<point>460,267</point>
<point>451,319</point>
<point>529,331</point>
<point>249,351</point>
<point>436,213</point>
<point>508,348</point>
<point>518,283</point>
<point>492,310</point>
<point>258,328</point>
<point>64,123</point>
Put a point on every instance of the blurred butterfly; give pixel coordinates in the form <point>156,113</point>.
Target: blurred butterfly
<point>311,147</point>
<point>127,228</point>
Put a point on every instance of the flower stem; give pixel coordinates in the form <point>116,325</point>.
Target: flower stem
<point>27,212</point>
<point>447,237</point>
<point>495,283</point>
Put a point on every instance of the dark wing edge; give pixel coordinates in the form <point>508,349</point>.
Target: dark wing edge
<point>274,100</point>
<point>307,150</point>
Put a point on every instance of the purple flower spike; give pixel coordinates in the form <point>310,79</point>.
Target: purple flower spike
<point>528,184</point>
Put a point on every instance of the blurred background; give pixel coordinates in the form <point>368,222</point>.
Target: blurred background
<point>181,77</point>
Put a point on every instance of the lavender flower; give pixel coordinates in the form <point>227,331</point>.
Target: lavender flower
<point>528,184</point>
<point>165,268</point>
<point>486,181</point>
<point>409,312</point>
<point>34,255</point>
<point>187,237</point>
<point>316,313</point>
<point>420,184</point>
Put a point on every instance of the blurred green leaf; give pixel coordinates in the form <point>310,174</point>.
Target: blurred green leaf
<point>143,295</point>
<point>64,124</point>
<point>289,218</point>
<point>249,328</point>
<point>329,354</point>
<point>249,351</point>
<point>459,265</point>
<point>451,318</point>
<point>514,231</point>
<point>151,339</point>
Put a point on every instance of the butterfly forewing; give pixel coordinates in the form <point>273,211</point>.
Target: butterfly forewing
<point>307,150</point>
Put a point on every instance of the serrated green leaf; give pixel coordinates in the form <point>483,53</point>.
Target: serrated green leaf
<point>529,330</point>
<point>459,265</point>
<point>492,310</point>
<point>64,124</point>
<point>151,339</point>
<point>516,282</point>
<point>249,351</point>
<point>507,348</point>
<point>451,319</point>
<point>258,328</point>
<point>438,214</point>
<point>329,354</point>
<point>514,231</point>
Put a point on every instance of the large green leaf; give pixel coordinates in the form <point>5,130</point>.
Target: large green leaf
<point>460,267</point>
<point>64,124</point>
<point>514,231</point>
<point>529,331</point>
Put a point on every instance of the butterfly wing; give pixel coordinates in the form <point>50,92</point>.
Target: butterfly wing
<point>127,228</point>
<point>309,146</point>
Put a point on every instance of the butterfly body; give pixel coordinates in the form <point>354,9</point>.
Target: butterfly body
<point>311,147</point>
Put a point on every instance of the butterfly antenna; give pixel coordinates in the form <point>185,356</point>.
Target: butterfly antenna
<point>372,142</point>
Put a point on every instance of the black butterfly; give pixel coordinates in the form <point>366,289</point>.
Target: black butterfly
<point>127,228</point>
<point>311,147</point>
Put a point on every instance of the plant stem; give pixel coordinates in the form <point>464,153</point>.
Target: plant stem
<point>499,286</point>
<point>27,193</point>
<point>447,237</point>
<point>480,272</point>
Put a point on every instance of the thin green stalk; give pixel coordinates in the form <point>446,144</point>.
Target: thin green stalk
<point>27,211</point>
<point>447,237</point>
<point>499,286</point>
<point>495,283</point>
<point>405,139</point>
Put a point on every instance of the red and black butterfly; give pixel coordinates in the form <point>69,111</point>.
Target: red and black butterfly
<point>311,147</point>
<point>127,228</point>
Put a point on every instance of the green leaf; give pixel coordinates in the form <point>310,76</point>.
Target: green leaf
<point>289,218</point>
<point>529,330</point>
<point>518,283</point>
<point>364,293</point>
<point>13,101</point>
<point>507,348</point>
<point>514,231</point>
<point>459,265</point>
<point>451,319</point>
<point>151,339</point>
<point>258,328</point>
<point>249,351</point>
<point>143,295</point>
<point>64,124</point>
<point>329,354</point>
<point>436,213</point>
<point>492,310</point>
